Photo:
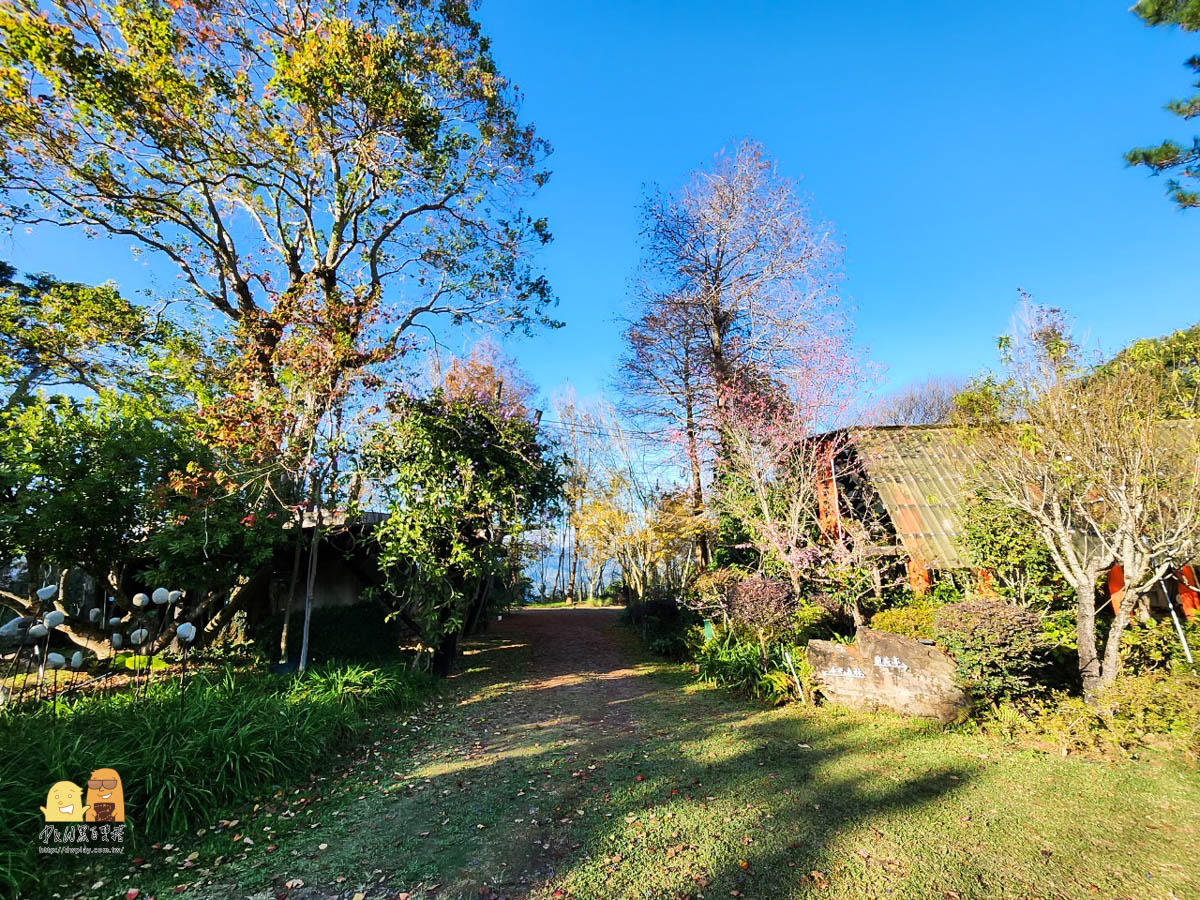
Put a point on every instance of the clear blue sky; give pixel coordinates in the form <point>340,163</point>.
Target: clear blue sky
<point>962,151</point>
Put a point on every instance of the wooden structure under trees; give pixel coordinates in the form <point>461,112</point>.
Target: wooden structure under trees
<point>905,487</point>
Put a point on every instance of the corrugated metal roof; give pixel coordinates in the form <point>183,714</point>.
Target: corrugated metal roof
<point>920,474</point>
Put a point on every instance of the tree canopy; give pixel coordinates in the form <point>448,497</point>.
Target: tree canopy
<point>1180,161</point>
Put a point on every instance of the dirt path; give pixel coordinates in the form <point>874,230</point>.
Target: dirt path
<point>466,800</point>
<point>564,761</point>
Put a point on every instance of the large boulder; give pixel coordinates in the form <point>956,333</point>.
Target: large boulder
<point>888,671</point>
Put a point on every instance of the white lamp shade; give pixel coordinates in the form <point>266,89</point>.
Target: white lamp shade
<point>140,600</point>
<point>160,596</point>
<point>77,659</point>
<point>138,636</point>
<point>47,592</point>
<point>38,631</point>
<point>186,632</point>
<point>174,596</point>
<point>54,618</point>
<point>55,660</point>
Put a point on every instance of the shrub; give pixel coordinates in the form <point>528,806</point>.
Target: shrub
<point>234,737</point>
<point>663,624</point>
<point>914,621</point>
<point>1155,645</point>
<point>999,648</point>
<point>812,621</point>
<point>739,664</point>
<point>1156,710</point>
<point>710,591</point>
<point>764,604</point>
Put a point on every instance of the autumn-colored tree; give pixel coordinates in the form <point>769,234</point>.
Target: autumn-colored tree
<point>327,182</point>
<point>582,436</point>
<point>488,376</point>
<point>627,516</point>
<point>327,179</point>
<point>1177,160</point>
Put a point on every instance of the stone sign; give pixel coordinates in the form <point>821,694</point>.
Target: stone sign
<point>888,671</point>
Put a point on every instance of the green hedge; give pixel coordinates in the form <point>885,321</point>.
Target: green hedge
<point>180,764</point>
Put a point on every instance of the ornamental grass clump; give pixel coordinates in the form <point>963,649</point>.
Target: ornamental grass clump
<point>237,736</point>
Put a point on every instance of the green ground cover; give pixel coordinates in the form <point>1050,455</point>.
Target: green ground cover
<point>564,762</point>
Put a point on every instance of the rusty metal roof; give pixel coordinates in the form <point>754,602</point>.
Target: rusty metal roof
<point>921,475</point>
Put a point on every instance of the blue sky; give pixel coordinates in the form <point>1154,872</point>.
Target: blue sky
<point>962,151</point>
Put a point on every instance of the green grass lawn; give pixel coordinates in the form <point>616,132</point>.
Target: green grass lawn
<point>582,768</point>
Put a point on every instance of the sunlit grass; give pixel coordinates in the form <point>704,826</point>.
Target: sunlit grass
<point>681,790</point>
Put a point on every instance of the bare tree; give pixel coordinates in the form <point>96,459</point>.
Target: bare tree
<point>737,254</point>
<point>582,434</point>
<point>665,382</point>
<point>1084,455</point>
<point>928,402</point>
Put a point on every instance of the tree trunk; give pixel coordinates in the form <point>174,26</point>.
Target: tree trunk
<point>291,596</point>
<point>482,594</point>
<point>693,451</point>
<point>1085,629</point>
<point>310,582</point>
<point>443,656</point>
<point>574,555</point>
<point>1112,646</point>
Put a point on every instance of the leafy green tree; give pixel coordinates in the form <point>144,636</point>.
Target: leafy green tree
<point>63,335</point>
<point>462,482</point>
<point>328,181</point>
<point>1006,544</point>
<point>107,486</point>
<point>1174,361</point>
<point>1180,161</point>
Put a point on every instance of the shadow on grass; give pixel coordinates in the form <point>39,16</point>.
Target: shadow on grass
<point>566,759</point>
<point>674,791</point>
